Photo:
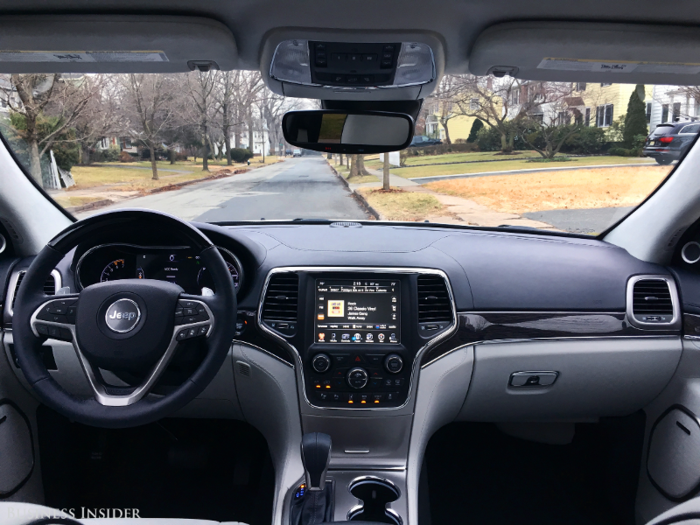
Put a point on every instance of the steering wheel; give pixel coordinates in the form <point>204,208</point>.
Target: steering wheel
<point>130,324</point>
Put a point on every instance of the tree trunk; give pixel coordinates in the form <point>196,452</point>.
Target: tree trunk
<point>340,160</point>
<point>361,165</point>
<point>205,153</point>
<point>35,162</point>
<point>447,133</point>
<point>85,155</point>
<point>353,166</point>
<point>506,143</point>
<point>171,156</point>
<point>226,128</point>
<point>251,136</point>
<point>154,166</point>
<point>386,175</point>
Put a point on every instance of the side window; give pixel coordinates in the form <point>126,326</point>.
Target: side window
<point>690,129</point>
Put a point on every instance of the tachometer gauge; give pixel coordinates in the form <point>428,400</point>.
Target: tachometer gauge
<point>114,271</point>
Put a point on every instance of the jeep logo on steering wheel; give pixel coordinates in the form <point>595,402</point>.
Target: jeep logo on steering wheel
<point>122,316</point>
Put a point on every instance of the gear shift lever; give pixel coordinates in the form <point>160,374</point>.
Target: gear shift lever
<point>315,454</point>
<point>316,506</point>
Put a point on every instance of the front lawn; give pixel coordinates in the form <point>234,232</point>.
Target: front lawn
<point>399,205</point>
<point>555,190</point>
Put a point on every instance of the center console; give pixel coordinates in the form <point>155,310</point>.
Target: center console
<point>358,332</point>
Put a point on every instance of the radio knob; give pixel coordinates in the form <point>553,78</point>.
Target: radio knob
<point>321,363</point>
<point>393,363</point>
<point>358,378</point>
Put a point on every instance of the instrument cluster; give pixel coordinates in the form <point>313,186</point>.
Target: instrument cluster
<point>176,264</point>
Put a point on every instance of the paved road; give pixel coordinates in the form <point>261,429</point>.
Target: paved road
<point>296,188</point>
<point>587,221</point>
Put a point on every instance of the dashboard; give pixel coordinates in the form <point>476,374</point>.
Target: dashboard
<point>359,311</point>
<point>176,264</point>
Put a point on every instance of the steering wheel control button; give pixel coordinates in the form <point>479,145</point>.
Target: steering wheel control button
<point>393,364</point>
<point>358,378</point>
<point>190,312</point>
<point>321,363</point>
<point>190,333</point>
<point>122,316</point>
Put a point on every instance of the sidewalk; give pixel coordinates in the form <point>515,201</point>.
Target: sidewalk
<point>457,209</point>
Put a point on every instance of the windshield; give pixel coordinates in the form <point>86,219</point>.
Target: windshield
<point>571,157</point>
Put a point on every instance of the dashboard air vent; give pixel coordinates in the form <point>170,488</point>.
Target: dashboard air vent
<point>345,224</point>
<point>652,301</point>
<point>49,287</point>
<point>434,305</point>
<point>281,301</point>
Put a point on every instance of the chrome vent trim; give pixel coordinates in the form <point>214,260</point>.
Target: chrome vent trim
<point>434,304</point>
<point>672,311</point>
<point>281,300</point>
<point>16,280</point>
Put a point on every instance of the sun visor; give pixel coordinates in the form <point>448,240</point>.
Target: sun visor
<point>114,44</point>
<point>589,52</point>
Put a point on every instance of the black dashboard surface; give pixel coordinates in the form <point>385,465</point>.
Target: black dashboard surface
<point>488,271</point>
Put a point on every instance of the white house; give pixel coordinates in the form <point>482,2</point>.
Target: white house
<point>671,104</point>
<point>261,141</point>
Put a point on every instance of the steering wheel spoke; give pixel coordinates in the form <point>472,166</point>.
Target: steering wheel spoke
<point>118,396</point>
<point>55,318</point>
<point>193,318</point>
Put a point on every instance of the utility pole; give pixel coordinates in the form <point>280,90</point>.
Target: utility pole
<point>386,175</point>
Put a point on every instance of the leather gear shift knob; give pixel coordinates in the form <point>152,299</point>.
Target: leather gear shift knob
<point>316,455</point>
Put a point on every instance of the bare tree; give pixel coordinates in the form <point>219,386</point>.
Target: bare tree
<point>200,91</point>
<point>40,96</point>
<point>444,97</point>
<point>272,108</point>
<point>150,111</point>
<point>102,116</point>
<point>496,102</point>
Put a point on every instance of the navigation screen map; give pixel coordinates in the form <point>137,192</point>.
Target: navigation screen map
<point>354,311</point>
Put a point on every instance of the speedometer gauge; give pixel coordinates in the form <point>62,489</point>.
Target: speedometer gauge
<point>204,279</point>
<point>114,271</point>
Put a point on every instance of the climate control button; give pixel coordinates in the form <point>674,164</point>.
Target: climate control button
<point>321,363</point>
<point>393,363</point>
<point>358,378</point>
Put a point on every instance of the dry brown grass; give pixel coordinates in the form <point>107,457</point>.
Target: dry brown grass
<point>399,205</point>
<point>555,190</point>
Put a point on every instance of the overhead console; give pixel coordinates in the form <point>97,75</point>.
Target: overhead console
<point>357,333</point>
<point>338,66</point>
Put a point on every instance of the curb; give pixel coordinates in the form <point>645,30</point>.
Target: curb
<point>90,206</point>
<point>358,197</point>
<point>436,178</point>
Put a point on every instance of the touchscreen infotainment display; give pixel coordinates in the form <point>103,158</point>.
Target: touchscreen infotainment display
<point>358,311</point>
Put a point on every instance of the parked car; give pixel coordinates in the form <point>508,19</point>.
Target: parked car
<point>423,140</point>
<point>296,153</point>
<point>670,141</point>
<point>287,152</point>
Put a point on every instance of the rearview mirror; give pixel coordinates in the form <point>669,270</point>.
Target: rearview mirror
<point>348,132</point>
